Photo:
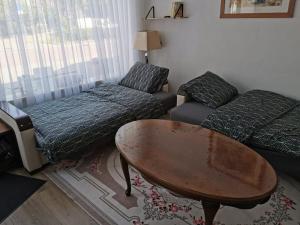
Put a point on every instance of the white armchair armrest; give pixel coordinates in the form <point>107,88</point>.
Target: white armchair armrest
<point>165,88</point>
<point>181,99</point>
<point>22,125</point>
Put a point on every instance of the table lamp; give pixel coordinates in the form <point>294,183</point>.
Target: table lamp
<point>147,41</point>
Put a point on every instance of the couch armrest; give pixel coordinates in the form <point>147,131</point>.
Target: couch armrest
<point>21,118</point>
<point>165,88</point>
<point>181,99</point>
<point>22,125</point>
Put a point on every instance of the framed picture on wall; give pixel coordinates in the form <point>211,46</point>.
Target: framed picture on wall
<point>257,8</point>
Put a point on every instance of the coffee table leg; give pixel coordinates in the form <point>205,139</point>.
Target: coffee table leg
<point>126,174</point>
<point>210,211</point>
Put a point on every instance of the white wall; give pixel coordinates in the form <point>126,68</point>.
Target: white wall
<point>250,53</point>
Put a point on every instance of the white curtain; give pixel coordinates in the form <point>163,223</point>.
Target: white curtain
<point>55,48</point>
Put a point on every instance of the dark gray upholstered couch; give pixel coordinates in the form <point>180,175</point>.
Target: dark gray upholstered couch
<point>192,112</point>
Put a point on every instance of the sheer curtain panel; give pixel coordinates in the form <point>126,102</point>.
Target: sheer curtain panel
<point>55,48</point>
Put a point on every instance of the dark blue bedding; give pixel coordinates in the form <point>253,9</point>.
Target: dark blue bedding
<point>261,119</point>
<point>66,126</point>
<point>282,135</point>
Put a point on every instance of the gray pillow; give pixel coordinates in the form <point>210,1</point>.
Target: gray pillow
<point>145,77</point>
<point>210,89</point>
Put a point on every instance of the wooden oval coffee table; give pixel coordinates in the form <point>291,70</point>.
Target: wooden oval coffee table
<point>196,163</point>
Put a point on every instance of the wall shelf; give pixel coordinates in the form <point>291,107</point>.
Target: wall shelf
<point>167,18</point>
<point>178,14</point>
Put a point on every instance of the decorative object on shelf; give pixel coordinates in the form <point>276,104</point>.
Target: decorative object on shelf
<point>177,12</point>
<point>257,8</point>
<point>146,41</point>
<point>177,9</point>
<point>152,10</point>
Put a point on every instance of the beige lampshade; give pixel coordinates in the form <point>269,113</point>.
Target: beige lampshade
<point>147,40</point>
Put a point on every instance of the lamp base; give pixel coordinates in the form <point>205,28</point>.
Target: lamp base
<point>146,58</point>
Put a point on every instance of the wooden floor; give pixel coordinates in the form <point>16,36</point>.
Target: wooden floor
<point>48,206</point>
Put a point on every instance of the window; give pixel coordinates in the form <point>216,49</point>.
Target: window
<point>46,46</point>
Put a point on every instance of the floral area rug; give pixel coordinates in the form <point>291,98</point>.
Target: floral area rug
<point>96,183</point>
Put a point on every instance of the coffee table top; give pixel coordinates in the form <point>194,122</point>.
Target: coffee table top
<point>196,162</point>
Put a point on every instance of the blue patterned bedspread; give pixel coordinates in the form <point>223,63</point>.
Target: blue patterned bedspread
<point>68,125</point>
<point>261,119</point>
<point>281,135</point>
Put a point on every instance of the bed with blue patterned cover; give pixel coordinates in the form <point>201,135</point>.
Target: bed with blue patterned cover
<point>66,126</point>
<point>261,119</point>
<point>59,129</point>
<point>265,121</point>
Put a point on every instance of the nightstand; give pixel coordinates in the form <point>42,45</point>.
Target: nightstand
<point>9,152</point>
<point>4,129</point>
